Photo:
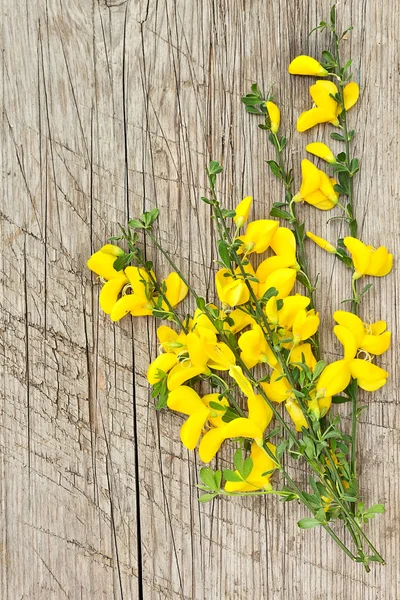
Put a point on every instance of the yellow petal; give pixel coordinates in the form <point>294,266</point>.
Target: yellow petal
<point>274,116</point>
<point>324,244</point>
<point>191,430</point>
<point>322,92</point>
<point>311,178</point>
<point>291,306</point>
<point>348,341</point>
<point>296,414</point>
<point>185,400</point>
<point>110,292</point>
<point>306,65</point>
<point>216,420</point>
<point>360,254</point>
<point>233,292</point>
<point>112,249</point>
<point>334,378</point>
<point>259,412</point>
<point>196,349</point>
<point>271,311</point>
<point>284,244</point>
<point>376,344</point>
<point>305,325</point>
<point>181,373</point>
<point>136,305</point>
<point>303,353</point>
<point>242,211</point>
<point>351,93</point>
<point>211,443</point>
<point>277,391</point>
<point>163,362</point>
<point>369,377</point>
<point>241,320</point>
<point>386,267</point>
<point>237,374</point>
<point>221,357</point>
<point>242,427</point>
<point>377,328</point>
<point>269,265</point>
<point>352,322</point>
<point>312,117</point>
<point>138,278</point>
<point>102,263</point>
<point>259,234</point>
<point>326,188</point>
<point>378,262</point>
<point>322,151</point>
<point>320,201</point>
<point>281,279</point>
<point>176,289</point>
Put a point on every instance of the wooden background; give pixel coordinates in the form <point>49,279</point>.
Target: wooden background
<point>110,107</point>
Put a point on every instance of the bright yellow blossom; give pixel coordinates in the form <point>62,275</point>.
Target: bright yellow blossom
<point>351,93</point>
<point>316,187</point>
<point>274,116</point>
<point>284,244</point>
<point>324,244</point>
<point>137,302</point>
<point>306,65</point>
<point>368,260</point>
<point>185,400</point>
<point>242,211</point>
<point>296,414</point>
<point>258,236</point>
<point>255,348</point>
<point>252,427</point>
<point>326,109</point>
<point>322,151</point>
<point>305,325</point>
<point>278,388</point>
<point>372,339</point>
<point>262,463</point>
<point>102,263</point>
<point>162,364</point>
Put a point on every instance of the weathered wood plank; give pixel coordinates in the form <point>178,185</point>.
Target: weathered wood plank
<point>109,107</point>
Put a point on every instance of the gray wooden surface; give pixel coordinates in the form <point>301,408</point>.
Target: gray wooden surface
<point>109,107</point>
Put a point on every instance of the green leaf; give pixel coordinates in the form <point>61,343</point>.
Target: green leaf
<point>201,303</point>
<point>238,460</point>
<point>214,168</point>
<point>122,261</point>
<point>136,224</point>
<point>337,136</point>
<point>319,367</point>
<point>207,497</point>
<point>224,253</point>
<point>275,168</point>
<point>269,293</point>
<point>230,475</point>
<point>228,213</point>
<point>206,200</point>
<point>217,406</point>
<point>280,214</point>
<point>247,467</point>
<point>308,523</point>
<point>340,399</point>
<point>208,477</point>
<point>377,509</point>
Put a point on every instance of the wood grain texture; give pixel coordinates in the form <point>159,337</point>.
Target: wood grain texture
<point>110,107</point>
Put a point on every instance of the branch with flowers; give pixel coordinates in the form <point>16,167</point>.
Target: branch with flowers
<point>230,367</point>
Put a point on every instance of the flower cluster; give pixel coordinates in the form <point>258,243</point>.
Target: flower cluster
<point>230,366</point>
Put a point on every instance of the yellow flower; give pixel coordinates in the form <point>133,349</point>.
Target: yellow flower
<point>185,400</point>
<point>182,372</point>
<point>137,302</point>
<point>204,349</point>
<point>102,263</point>
<point>368,260</point>
<point>306,65</point>
<point>162,364</point>
<point>351,93</point>
<point>258,236</point>
<point>231,291</point>
<point>305,325</point>
<point>252,427</point>
<point>274,116</point>
<point>170,340</point>
<point>334,379</point>
<point>262,463</point>
<point>322,151</point>
<point>255,348</point>
<point>326,107</point>
<point>278,389</point>
<point>242,211</point>
<point>282,279</point>
<point>302,353</point>
<point>287,313</point>
<point>240,321</point>
<point>372,339</point>
<point>284,244</point>
<point>324,244</point>
<point>244,384</point>
<point>316,187</point>
<point>296,414</point>
<point>176,290</point>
